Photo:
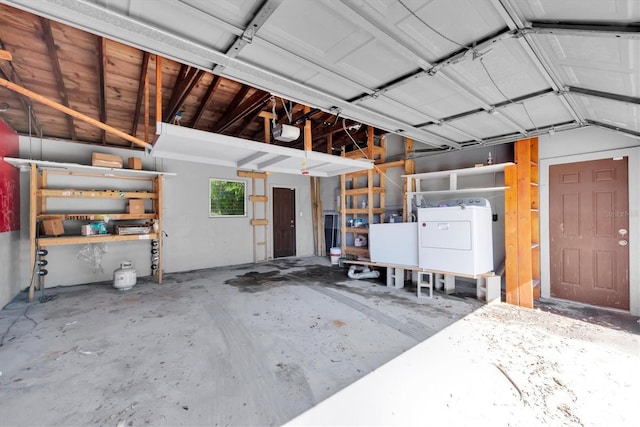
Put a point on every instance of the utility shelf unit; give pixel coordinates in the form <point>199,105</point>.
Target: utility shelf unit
<point>368,186</point>
<point>414,181</point>
<point>40,171</point>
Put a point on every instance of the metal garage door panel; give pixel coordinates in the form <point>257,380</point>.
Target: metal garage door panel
<point>510,68</point>
<point>286,64</point>
<point>618,114</point>
<point>479,20</point>
<point>193,20</point>
<point>448,132</point>
<point>483,125</point>
<point>544,111</point>
<point>233,12</point>
<point>579,10</point>
<point>313,28</point>
<point>395,110</point>
<point>431,95</point>
<point>605,64</point>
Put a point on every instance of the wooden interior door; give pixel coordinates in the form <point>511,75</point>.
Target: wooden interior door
<point>589,232</point>
<point>284,222</point>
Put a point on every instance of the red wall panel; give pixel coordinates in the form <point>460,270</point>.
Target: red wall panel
<point>9,181</point>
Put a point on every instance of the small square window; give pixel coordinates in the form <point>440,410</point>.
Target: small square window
<point>227,198</point>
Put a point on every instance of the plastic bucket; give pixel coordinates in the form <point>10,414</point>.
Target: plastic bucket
<point>335,255</point>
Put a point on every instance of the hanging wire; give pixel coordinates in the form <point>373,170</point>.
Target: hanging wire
<point>289,114</point>
<point>436,31</point>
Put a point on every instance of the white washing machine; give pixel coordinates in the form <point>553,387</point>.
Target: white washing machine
<point>456,236</point>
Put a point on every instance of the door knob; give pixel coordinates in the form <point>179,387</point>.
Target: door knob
<point>622,242</point>
<point>622,231</point>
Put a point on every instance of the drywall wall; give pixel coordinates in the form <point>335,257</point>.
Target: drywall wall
<point>193,239</point>
<point>583,145</point>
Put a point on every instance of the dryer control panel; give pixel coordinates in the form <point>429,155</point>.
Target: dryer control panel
<point>466,201</point>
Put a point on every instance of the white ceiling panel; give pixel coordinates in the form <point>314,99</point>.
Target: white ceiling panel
<point>619,114</point>
<point>508,66</point>
<point>621,11</point>
<point>606,64</point>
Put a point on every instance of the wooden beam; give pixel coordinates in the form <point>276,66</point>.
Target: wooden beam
<point>8,71</point>
<point>5,55</point>
<point>248,174</point>
<point>57,71</point>
<point>511,234</point>
<point>57,106</point>
<point>146,108</point>
<point>158,88</point>
<point>256,101</point>
<point>102,86</point>
<point>525,267</point>
<point>308,142</point>
<point>181,92</point>
<point>211,90</point>
<point>370,143</point>
<point>143,80</point>
<point>330,144</point>
<point>267,117</point>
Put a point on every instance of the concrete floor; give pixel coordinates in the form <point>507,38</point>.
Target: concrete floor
<point>262,344</point>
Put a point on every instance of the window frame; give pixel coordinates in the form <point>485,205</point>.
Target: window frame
<point>244,201</point>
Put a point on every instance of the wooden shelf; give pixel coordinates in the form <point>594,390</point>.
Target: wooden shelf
<point>357,230</point>
<point>357,250</point>
<point>96,217</point>
<point>96,194</point>
<point>363,191</point>
<point>365,211</point>
<point>458,191</point>
<point>89,170</point>
<point>461,172</point>
<point>101,238</point>
<point>42,172</point>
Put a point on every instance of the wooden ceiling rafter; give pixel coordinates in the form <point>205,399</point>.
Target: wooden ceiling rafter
<point>67,110</point>
<point>252,105</point>
<point>211,90</point>
<point>101,44</point>
<point>8,72</point>
<point>182,91</point>
<point>144,69</point>
<point>225,119</point>
<point>47,34</point>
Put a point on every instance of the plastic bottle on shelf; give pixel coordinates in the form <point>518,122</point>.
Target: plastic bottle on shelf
<point>489,159</point>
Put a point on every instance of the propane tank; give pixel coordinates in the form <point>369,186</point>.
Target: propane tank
<point>124,277</point>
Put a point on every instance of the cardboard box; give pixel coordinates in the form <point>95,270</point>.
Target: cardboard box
<point>52,227</point>
<point>136,206</point>
<point>106,160</point>
<point>135,163</point>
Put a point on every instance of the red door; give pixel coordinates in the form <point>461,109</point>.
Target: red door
<point>589,232</point>
<point>284,222</point>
